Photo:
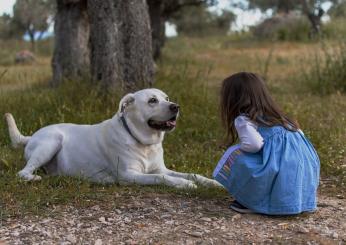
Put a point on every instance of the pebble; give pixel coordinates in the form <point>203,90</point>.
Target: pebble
<point>165,216</point>
<point>206,219</point>
<point>303,230</point>
<point>118,211</point>
<point>235,217</point>
<point>71,238</point>
<point>98,242</point>
<point>130,242</point>
<point>194,233</point>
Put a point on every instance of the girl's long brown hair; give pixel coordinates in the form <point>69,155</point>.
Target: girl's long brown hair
<point>246,93</point>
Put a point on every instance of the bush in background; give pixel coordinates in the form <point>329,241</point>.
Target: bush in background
<point>327,73</point>
<point>286,27</point>
<point>335,28</point>
<point>198,21</point>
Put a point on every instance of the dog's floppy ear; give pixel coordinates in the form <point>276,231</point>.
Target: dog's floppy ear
<point>126,101</point>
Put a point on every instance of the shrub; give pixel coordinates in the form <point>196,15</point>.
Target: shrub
<point>335,28</point>
<point>288,27</point>
<point>327,73</point>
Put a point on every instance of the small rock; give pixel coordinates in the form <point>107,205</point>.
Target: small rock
<point>194,233</point>
<point>335,235</point>
<point>127,220</point>
<point>169,222</point>
<point>206,219</point>
<point>45,221</point>
<point>130,242</point>
<point>303,230</point>
<point>102,219</point>
<point>47,233</point>
<point>71,238</point>
<point>98,242</point>
<point>96,207</point>
<point>283,225</point>
<point>164,216</point>
<point>235,217</point>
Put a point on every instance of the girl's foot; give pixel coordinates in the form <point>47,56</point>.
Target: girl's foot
<point>236,206</point>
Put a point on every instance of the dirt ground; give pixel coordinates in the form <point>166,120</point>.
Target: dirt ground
<point>151,218</point>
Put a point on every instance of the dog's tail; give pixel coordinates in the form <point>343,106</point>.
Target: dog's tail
<point>17,139</point>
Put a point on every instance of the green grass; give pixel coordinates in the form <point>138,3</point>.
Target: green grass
<point>335,28</point>
<point>190,73</point>
<point>327,73</point>
<point>80,103</point>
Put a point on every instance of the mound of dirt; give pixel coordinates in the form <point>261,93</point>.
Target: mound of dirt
<point>24,57</point>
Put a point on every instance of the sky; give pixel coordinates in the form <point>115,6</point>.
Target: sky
<point>6,6</point>
<point>244,18</point>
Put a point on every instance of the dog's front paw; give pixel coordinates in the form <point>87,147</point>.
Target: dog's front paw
<point>28,177</point>
<point>207,182</point>
<point>214,183</point>
<point>191,186</point>
<point>187,184</point>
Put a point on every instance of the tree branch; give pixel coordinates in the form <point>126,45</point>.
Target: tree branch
<point>171,6</point>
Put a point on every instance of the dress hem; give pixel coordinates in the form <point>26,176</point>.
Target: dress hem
<point>283,210</point>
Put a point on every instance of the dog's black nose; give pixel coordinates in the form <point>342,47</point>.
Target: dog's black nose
<point>174,107</point>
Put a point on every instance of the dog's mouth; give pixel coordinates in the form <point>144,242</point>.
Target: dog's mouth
<point>163,125</point>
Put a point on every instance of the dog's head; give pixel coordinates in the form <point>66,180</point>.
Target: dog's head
<point>149,112</point>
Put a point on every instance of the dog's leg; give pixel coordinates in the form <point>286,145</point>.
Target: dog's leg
<point>40,155</point>
<point>194,177</point>
<point>133,177</point>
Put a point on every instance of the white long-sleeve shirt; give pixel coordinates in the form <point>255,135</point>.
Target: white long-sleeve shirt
<point>250,139</point>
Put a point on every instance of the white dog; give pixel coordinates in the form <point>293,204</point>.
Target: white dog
<point>125,149</point>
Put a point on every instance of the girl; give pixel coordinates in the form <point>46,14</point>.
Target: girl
<point>274,169</point>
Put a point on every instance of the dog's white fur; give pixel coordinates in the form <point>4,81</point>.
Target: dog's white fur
<point>107,152</point>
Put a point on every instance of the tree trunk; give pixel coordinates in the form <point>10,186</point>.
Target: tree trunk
<point>157,21</point>
<point>315,19</point>
<point>31,34</point>
<point>160,11</point>
<point>121,44</point>
<point>315,22</point>
<point>71,51</point>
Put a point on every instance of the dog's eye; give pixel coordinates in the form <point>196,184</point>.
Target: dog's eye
<point>167,98</point>
<point>153,101</point>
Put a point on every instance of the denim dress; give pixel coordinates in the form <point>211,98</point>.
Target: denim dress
<point>281,179</point>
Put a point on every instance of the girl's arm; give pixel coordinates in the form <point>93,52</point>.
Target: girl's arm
<point>250,140</point>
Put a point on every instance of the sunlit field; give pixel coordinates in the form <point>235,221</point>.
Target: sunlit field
<point>190,72</point>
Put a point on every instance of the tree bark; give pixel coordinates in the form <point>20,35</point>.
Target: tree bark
<point>31,34</point>
<point>315,19</point>
<point>71,51</point>
<point>160,11</point>
<point>157,21</point>
<point>121,44</point>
